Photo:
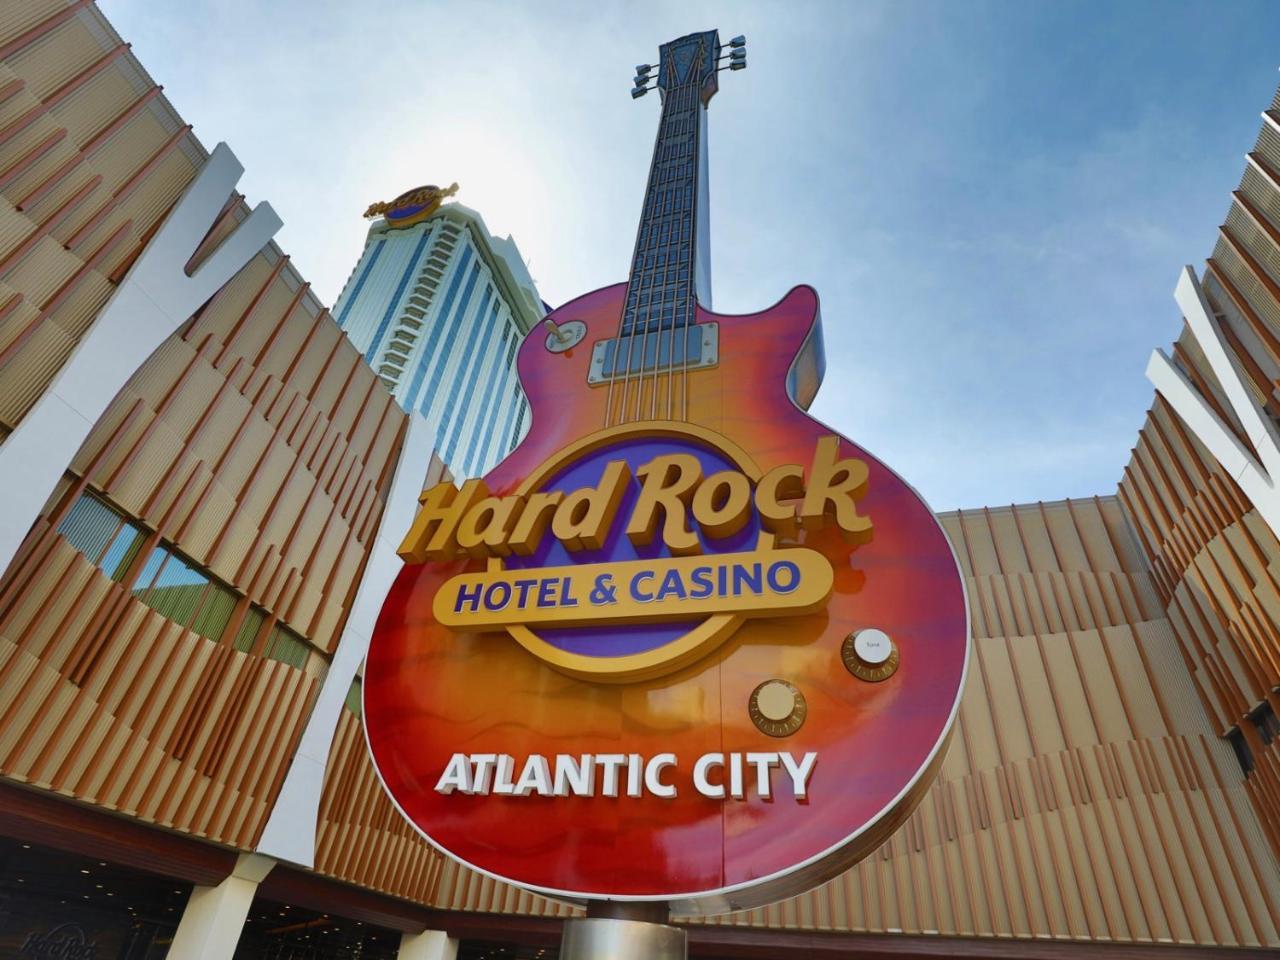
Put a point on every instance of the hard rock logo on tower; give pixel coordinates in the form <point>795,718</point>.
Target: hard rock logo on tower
<point>685,644</point>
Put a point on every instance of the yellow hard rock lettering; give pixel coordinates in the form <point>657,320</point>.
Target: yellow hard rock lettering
<point>785,482</point>
<point>833,486</point>
<point>668,484</point>
<point>672,488</point>
<point>485,528</point>
<point>722,504</point>
<point>583,519</point>
<point>432,535</point>
<point>533,522</point>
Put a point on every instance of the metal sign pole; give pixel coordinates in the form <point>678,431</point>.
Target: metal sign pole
<point>623,931</point>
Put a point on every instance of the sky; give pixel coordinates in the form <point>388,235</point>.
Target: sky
<point>993,200</point>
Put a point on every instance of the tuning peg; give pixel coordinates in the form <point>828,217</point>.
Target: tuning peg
<point>642,69</point>
<point>738,53</point>
<point>638,91</point>
<point>737,64</point>
<point>738,41</point>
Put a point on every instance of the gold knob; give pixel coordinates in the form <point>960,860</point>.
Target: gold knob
<point>870,655</point>
<point>777,708</point>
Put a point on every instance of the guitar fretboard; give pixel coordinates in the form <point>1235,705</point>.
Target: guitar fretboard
<point>661,292</point>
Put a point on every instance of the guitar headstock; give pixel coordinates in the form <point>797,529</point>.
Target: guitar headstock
<point>694,61</point>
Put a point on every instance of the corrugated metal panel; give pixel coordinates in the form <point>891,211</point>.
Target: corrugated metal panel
<point>104,699</point>
<point>1216,563</point>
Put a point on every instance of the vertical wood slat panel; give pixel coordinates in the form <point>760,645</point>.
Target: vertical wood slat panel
<point>189,733</point>
<point>1215,558</point>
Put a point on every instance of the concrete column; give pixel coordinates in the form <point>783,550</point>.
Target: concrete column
<point>214,918</point>
<point>290,833</point>
<point>427,945</point>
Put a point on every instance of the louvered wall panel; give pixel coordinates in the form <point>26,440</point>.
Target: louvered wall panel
<point>17,18</point>
<point>255,440</point>
<point>1215,561</point>
<point>361,838</point>
<point>109,741</point>
<point>58,167</point>
<point>240,492</point>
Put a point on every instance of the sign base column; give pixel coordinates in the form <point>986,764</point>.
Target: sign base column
<point>623,931</point>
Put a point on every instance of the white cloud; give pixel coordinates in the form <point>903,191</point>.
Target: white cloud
<point>993,222</point>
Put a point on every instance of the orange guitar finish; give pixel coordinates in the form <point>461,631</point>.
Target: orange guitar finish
<point>430,693</point>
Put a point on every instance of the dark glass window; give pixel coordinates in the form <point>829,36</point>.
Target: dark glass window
<point>1243,754</point>
<point>353,698</point>
<point>1264,718</point>
<point>287,647</point>
<point>56,904</point>
<point>102,534</point>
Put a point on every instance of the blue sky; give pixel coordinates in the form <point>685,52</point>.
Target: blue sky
<point>992,199</point>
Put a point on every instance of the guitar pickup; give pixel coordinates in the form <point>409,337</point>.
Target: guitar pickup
<point>694,347</point>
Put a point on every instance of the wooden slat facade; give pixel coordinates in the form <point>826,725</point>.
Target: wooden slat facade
<point>79,120</point>
<point>1214,560</point>
<point>255,442</point>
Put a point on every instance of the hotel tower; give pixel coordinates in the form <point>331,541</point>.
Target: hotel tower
<point>436,305</point>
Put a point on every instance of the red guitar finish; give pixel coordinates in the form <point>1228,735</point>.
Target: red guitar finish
<point>430,692</point>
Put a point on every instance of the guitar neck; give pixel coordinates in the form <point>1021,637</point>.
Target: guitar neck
<point>670,269</point>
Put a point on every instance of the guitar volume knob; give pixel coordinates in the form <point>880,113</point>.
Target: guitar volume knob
<point>562,337</point>
<point>870,655</point>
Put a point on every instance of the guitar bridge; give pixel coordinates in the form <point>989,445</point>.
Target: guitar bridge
<point>695,347</point>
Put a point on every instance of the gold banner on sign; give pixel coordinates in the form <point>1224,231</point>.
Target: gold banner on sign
<point>760,583</point>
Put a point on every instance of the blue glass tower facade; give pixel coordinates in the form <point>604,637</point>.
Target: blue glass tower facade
<point>437,309</point>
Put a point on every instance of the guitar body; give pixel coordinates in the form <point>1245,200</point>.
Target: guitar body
<point>431,692</point>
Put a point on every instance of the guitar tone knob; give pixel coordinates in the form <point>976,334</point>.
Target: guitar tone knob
<point>870,655</point>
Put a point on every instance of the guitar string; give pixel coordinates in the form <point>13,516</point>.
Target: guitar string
<point>677,118</point>
<point>674,285</point>
<point>679,217</point>
<point>691,182</point>
<point>690,305</point>
<point>658,279</point>
<point>631,322</point>
<point>657,291</point>
<point>630,309</point>
<point>682,282</point>
<point>630,306</point>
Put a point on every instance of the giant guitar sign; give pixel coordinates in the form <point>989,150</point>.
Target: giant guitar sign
<point>685,643</point>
